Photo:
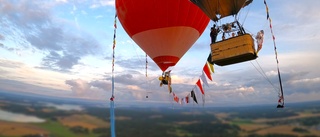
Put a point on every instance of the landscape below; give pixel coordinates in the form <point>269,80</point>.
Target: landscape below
<point>70,119</point>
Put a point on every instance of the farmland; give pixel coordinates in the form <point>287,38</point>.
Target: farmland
<point>296,120</point>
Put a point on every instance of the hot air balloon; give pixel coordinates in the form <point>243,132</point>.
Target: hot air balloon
<point>239,47</point>
<point>164,29</point>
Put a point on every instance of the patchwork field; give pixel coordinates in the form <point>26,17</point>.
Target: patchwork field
<point>287,125</point>
<point>261,121</point>
<point>19,129</point>
<point>85,121</point>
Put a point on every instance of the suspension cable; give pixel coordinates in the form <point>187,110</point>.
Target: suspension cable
<point>246,15</point>
<point>262,73</point>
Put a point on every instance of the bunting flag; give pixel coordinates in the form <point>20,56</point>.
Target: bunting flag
<point>211,67</point>
<point>200,86</point>
<point>194,96</point>
<point>281,95</point>
<point>187,99</point>
<point>115,21</point>
<point>207,71</point>
<point>175,98</point>
<point>204,79</point>
<point>113,52</point>
<point>114,41</point>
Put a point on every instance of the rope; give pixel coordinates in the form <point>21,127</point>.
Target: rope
<point>112,116</point>
<point>281,96</point>
<point>262,73</point>
<point>266,76</point>
<point>138,56</point>
<point>147,96</point>
<point>246,15</point>
<point>146,65</point>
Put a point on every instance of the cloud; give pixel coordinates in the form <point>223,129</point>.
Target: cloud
<point>104,85</point>
<point>97,89</point>
<point>20,86</point>
<point>59,62</point>
<point>302,97</point>
<point>133,87</point>
<point>63,1</point>
<point>18,71</point>
<point>303,81</point>
<point>1,37</point>
<point>32,26</point>
<point>25,14</point>
<point>137,63</point>
<point>5,47</point>
<point>245,89</point>
<point>78,86</point>
<point>306,85</point>
<point>127,79</point>
<point>100,3</point>
<point>10,64</point>
<point>18,77</point>
<point>304,14</point>
<point>48,38</point>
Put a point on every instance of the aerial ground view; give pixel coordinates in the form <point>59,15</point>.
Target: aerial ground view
<point>159,68</point>
<point>25,116</point>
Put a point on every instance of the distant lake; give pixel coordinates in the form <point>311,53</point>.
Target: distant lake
<point>14,117</point>
<point>66,107</point>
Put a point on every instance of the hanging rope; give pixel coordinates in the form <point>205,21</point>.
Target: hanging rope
<point>112,117</point>
<point>262,73</point>
<point>239,13</point>
<point>146,65</point>
<point>281,97</point>
<point>147,96</point>
<point>276,88</point>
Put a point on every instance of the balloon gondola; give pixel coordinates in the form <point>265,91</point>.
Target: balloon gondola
<point>239,47</point>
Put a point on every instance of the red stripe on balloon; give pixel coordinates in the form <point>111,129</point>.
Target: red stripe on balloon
<point>165,61</point>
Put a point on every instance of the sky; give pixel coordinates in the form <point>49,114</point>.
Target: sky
<point>63,48</point>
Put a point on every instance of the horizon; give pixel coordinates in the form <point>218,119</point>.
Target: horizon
<point>142,104</point>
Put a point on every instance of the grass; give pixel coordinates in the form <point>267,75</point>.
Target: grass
<point>57,129</point>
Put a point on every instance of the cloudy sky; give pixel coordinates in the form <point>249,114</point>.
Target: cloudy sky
<point>63,48</point>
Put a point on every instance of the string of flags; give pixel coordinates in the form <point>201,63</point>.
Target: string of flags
<point>202,80</point>
<point>281,97</point>
<point>113,54</point>
<point>112,115</point>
